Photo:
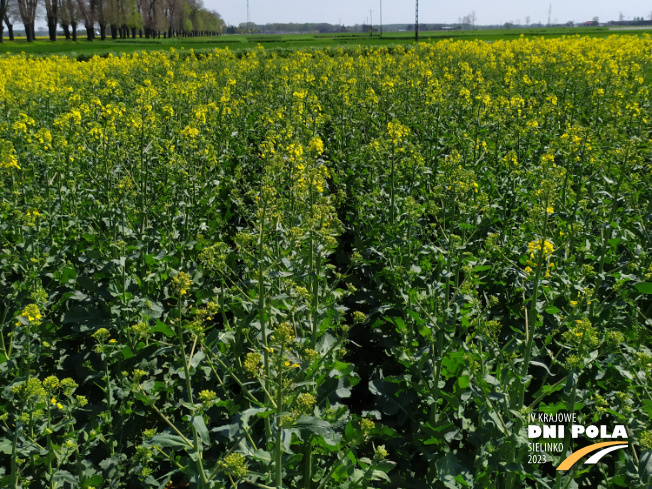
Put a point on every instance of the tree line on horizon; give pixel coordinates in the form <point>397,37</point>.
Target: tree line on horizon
<point>115,18</point>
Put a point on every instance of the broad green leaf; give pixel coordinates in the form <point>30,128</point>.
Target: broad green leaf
<point>161,327</point>
<point>451,473</point>
<point>202,431</point>
<point>94,481</point>
<point>644,288</point>
<point>481,268</point>
<point>169,440</point>
<point>5,446</point>
<point>645,467</point>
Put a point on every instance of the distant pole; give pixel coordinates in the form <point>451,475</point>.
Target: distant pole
<point>416,23</point>
<point>248,26</point>
<point>381,18</point>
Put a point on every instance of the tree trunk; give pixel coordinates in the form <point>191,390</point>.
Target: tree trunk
<point>52,27</point>
<point>10,28</point>
<point>103,32</point>
<point>29,31</point>
<point>114,31</point>
<point>133,33</point>
<point>66,30</point>
<point>90,33</point>
<point>74,31</point>
<point>3,11</point>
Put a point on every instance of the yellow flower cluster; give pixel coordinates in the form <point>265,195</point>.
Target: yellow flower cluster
<point>181,282</point>
<point>8,156</point>
<point>31,314</point>
<point>534,248</point>
<point>582,333</point>
<point>397,132</point>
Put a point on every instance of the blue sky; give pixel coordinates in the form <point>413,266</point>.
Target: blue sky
<point>351,12</point>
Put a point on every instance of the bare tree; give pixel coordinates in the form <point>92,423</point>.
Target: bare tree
<point>87,15</point>
<point>3,11</point>
<point>69,18</point>
<point>27,10</point>
<point>173,11</point>
<point>10,26</point>
<point>52,8</point>
<point>154,19</point>
<point>12,15</point>
<point>117,18</point>
<point>121,16</point>
<point>102,13</point>
<point>465,22</point>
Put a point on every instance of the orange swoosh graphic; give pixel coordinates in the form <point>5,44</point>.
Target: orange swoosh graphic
<point>575,456</point>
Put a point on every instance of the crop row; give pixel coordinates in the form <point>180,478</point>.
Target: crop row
<point>328,268</point>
